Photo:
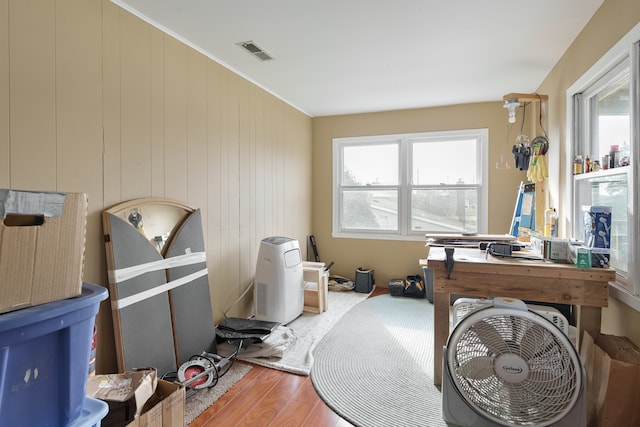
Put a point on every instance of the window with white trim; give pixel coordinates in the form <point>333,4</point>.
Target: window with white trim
<point>404,186</point>
<point>604,125</point>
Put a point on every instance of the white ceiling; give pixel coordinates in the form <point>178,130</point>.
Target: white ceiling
<point>352,56</point>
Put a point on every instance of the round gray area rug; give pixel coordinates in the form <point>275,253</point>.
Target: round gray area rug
<point>374,367</point>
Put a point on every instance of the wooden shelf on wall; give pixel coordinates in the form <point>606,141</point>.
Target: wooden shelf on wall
<point>526,97</point>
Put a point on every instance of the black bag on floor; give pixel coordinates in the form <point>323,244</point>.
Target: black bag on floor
<point>414,287</point>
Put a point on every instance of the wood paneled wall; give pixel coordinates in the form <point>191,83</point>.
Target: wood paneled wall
<point>94,100</point>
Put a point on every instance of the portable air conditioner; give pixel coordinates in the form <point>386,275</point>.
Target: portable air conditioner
<point>279,283</point>
<point>506,365</point>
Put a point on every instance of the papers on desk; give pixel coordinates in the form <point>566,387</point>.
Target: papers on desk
<point>466,240</point>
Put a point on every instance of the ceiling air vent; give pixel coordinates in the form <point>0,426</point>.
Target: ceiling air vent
<point>255,50</point>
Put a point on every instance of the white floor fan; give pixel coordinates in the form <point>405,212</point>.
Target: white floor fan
<point>506,365</point>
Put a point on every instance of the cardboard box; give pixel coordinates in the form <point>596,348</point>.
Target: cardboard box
<point>126,394</point>
<point>597,226</point>
<point>42,240</point>
<point>597,234</point>
<point>551,248</point>
<point>612,365</point>
<point>580,255</point>
<point>165,408</point>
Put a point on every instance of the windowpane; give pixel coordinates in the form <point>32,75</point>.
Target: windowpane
<point>613,123</point>
<point>445,162</point>
<point>611,191</point>
<point>405,185</point>
<point>444,210</point>
<point>604,99</point>
<point>370,210</point>
<point>370,164</point>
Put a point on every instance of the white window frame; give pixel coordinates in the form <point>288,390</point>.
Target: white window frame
<point>628,48</point>
<point>404,181</point>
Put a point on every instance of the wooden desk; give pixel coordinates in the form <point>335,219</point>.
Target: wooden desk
<point>475,274</point>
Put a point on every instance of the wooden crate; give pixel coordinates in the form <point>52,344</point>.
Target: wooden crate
<point>316,287</point>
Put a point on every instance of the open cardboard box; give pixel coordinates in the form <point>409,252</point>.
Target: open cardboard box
<point>164,409</point>
<point>126,394</point>
<point>42,240</point>
<point>139,399</point>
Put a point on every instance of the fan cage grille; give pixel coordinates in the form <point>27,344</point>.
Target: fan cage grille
<point>552,382</point>
<point>464,306</point>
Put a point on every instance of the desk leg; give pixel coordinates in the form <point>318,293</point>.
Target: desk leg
<point>440,332</point>
<point>588,319</point>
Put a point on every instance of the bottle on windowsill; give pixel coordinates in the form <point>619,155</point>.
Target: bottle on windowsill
<point>614,156</point>
<point>577,165</point>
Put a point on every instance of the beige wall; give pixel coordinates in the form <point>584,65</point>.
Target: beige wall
<point>397,259</point>
<point>612,21</point>
<point>94,100</point>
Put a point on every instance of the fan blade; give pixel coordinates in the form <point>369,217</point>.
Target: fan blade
<point>478,368</point>
<point>530,342</point>
<point>490,337</point>
<point>538,343</point>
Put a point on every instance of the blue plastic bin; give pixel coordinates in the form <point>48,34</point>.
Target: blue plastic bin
<point>93,411</point>
<point>44,360</point>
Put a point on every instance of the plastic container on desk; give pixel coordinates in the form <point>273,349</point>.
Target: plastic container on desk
<point>93,411</point>
<point>44,360</point>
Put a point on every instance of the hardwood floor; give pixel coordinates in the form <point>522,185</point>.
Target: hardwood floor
<point>268,397</point>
